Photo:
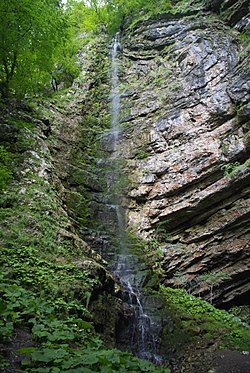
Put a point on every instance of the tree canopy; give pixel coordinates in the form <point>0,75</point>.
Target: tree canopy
<point>38,37</point>
<point>112,13</point>
<point>30,30</point>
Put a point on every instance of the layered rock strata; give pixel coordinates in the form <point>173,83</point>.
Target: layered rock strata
<point>185,89</point>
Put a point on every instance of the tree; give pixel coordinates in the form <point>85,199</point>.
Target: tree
<point>112,13</point>
<point>30,30</point>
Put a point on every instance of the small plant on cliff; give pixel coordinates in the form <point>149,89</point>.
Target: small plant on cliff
<point>211,279</point>
<point>229,168</point>
<point>180,280</point>
<point>244,37</point>
<point>232,169</point>
<point>243,312</point>
<point>184,6</point>
<point>162,230</point>
<point>142,153</point>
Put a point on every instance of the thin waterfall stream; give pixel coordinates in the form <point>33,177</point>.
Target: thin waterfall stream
<point>140,333</point>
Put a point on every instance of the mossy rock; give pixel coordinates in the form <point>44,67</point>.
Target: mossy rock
<point>194,319</point>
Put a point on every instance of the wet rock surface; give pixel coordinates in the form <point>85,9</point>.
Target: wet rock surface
<point>208,360</point>
<point>185,115</point>
<point>227,361</point>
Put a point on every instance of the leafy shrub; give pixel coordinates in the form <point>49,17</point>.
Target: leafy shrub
<point>24,267</point>
<point>58,359</point>
<point>5,171</point>
<point>232,169</point>
<point>56,316</point>
<point>193,314</point>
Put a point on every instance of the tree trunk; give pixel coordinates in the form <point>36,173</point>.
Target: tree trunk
<point>9,70</point>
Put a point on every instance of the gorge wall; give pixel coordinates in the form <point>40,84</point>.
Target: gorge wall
<point>182,169</point>
<point>185,90</point>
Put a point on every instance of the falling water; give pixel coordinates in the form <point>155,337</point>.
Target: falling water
<point>141,331</point>
<point>115,96</point>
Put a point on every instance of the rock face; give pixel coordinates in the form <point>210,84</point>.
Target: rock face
<point>46,203</point>
<point>185,90</point>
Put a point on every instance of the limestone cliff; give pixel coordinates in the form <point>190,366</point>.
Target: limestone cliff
<point>185,87</point>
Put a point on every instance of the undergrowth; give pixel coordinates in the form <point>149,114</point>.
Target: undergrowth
<point>43,293</point>
<point>50,302</point>
<point>5,170</point>
<point>197,318</point>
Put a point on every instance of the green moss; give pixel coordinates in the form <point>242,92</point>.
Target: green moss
<point>240,167</point>
<point>232,169</point>
<point>31,217</point>
<point>195,318</point>
<point>20,123</point>
<point>78,205</point>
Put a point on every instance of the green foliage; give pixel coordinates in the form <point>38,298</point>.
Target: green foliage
<point>20,123</point>
<point>212,278</point>
<point>78,203</point>
<point>25,267</point>
<point>111,14</point>
<point>150,252</point>
<point>142,153</point>
<point>244,37</point>
<point>118,10</point>
<point>184,6</point>
<point>36,291</point>
<point>47,300</point>
<point>162,230</point>
<point>204,282</point>
<point>229,168</point>
<point>30,218</point>
<point>197,318</point>
<point>232,169</point>
<point>243,312</point>
<point>5,171</point>
<point>81,23</point>
<point>30,32</point>
<point>47,323</point>
<point>241,167</point>
<point>83,18</point>
<point>239,106</point>
<point>86,360</point>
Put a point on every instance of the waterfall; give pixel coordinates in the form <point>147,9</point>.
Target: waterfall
<point>115,96</point>
<point>141,332</point>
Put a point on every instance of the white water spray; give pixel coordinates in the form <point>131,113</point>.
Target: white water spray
<point>115,96</point>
